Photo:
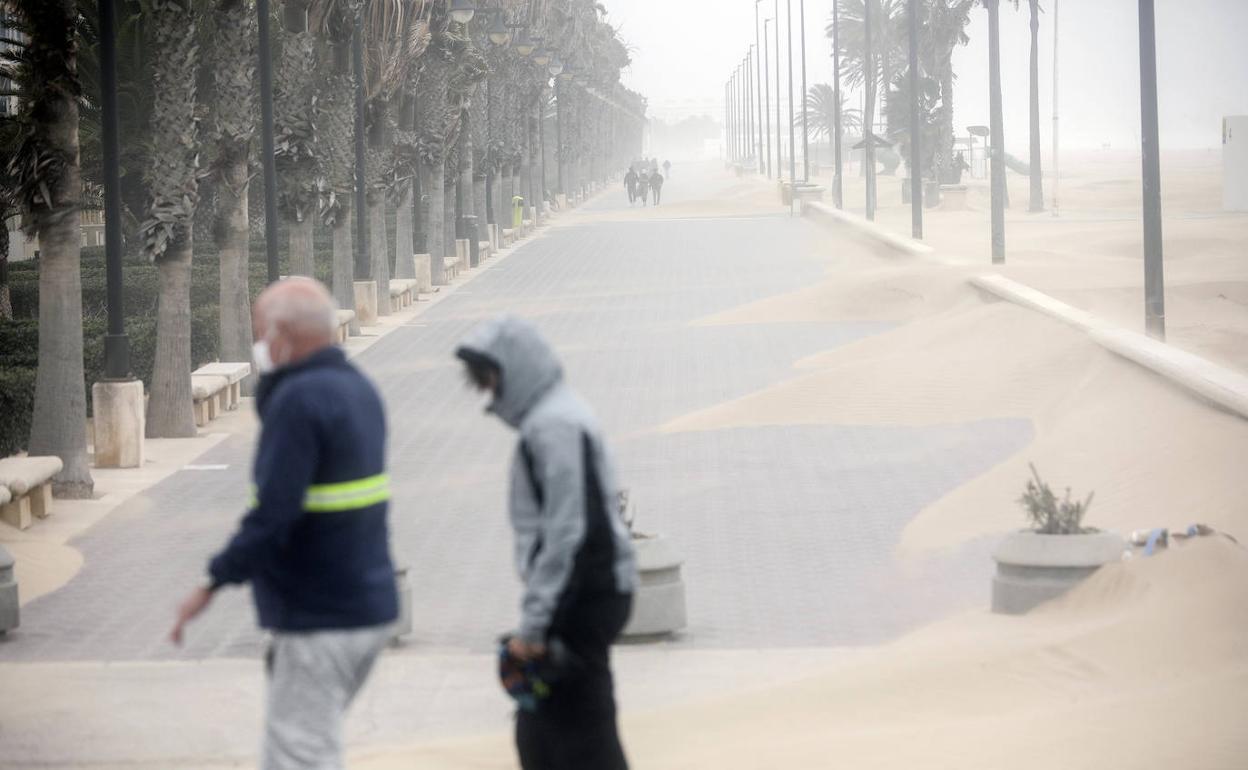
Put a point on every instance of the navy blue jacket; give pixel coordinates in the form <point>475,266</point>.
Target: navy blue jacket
<point>315,543</point>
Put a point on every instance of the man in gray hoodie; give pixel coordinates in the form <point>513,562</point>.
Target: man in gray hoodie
<point>572,550</point>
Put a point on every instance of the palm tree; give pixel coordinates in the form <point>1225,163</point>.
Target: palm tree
<point>888,46</point>
<point>45,171</point>
<point>944,30</point>
<point>821,112</point>
<point>173,179</point>
<point>233,130</point>
<point>295,134</point>
<point>9,207</point>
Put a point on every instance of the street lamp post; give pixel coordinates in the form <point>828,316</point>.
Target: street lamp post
<point>805,122</point>
<point>837,188</point>
<point>916,176</point>
<point>779,131</point>
<point>749,103</point>
<point>792,128</point>
<point>267,160</point>
<point>759,63</point>
<point>1154,280</point>
<point>997,151</point>
<point>767,95</point>
<point>361,180</point>
<point>868,145</point>
<point>116,343</point>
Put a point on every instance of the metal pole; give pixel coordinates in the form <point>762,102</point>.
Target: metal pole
<point>837,188</point>
<point>116,343</point>
<point>266,139</point>
<point>868,122</point>
<point>779,131</point>
<point>749,102</point>
<point>767,94</point>
<point>1056,153</point>
<point>361,181</point>
<point>489,156</point>
<point>792,128</point>
<point>997,130</point>
<point>759,63</point>
<point>916,150</point>
<point>805,123</point>
<point>1154,280</point>
<point>559,132</point>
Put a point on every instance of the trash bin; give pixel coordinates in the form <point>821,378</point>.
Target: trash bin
<point>517,212</point>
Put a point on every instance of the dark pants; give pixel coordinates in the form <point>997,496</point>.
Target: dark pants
<point>658,191</point>
<point>574,728</point>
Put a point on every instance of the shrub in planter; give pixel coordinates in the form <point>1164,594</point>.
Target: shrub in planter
<point>1057,553</point>
<point>17,404</point>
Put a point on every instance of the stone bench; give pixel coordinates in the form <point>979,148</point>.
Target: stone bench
<point>343,329</point>
<point>451,267</point>
<point>27,485</point>
<point>402,292</point>
<point>483,248</point>
<point>509,236</point>
<point>233,372</point>
<point>208,391</point>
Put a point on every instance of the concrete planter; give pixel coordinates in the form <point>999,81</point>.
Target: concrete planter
<point>659,604</point>
<point>1034,568</point>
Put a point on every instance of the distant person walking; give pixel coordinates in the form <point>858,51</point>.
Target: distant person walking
<point>656,184</point>
<point>630,183</point>
<point>667,169</point>
<point>572,549</point>
<point>643,187</point>
<point>314,544</point>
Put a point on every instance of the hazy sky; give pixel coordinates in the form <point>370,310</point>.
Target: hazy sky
<point>684,50</point>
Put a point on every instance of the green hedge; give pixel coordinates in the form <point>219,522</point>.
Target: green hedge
<point>19,360</point>
<point>17,404</point>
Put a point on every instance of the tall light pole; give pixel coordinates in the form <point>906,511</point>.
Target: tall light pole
<point>837,188</point>
<point>759,63</point>
<point>916,152</point>
<point>767,95</point>
<point>868,146</point>
<point>779,130</point>
<point>792,129</point>
<point>1056,172</point>
<point>805,122</point>
<point>1154,280</point>
<point>267,161</point>
<point>749,103</point>
<point>997,130</point>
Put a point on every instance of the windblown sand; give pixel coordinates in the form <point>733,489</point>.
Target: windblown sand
<point>1143,666</point>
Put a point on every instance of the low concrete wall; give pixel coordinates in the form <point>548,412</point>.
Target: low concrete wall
<point>834,217</point>
<point>1217,384</point>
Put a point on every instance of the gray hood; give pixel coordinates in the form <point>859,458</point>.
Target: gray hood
<point>528,365</point>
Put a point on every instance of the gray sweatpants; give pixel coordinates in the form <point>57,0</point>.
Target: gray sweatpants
<point>313,677</point>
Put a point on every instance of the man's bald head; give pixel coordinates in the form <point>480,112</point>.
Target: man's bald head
<point>297,316</point>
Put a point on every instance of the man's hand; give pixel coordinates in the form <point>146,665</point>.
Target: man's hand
<point>522,650</point>
<point>191,606</point>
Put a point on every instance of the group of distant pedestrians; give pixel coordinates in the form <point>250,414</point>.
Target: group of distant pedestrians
<point>643,179</point>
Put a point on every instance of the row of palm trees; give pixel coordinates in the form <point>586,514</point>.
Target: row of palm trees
<point>884,76</point>
<point>452,121</point>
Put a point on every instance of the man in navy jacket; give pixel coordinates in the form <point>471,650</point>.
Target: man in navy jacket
<point>314,543</point>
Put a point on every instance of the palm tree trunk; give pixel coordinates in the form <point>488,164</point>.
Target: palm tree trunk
<point>6,304</point>
<point>169,411</point>
<point>404,267</point>
<point>437,222</point>
<point>58,426</point>
<point>1037,178</point>
<point>302,261</point>
<point>344,262</point>
<point>945,147</point>
<point>997,130</point>
<point>379,249</point>
<point>232,236</point>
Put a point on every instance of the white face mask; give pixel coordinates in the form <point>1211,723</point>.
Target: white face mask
<point>263,358</point>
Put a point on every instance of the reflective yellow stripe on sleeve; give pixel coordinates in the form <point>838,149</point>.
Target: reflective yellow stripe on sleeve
<point>347,495</point>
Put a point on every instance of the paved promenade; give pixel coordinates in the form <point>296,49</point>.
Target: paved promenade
<point>788,531</point>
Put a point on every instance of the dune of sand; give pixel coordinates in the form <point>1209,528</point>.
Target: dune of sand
<point>1145,665</point>
<point>1153,455</point>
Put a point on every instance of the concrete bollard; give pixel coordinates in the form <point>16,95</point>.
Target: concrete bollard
<point>659,603</point>
<point>402,626</point>
<point>118,422</point>
<point>10,606</point>
<point>424,273</point>
<point>366,302</point>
